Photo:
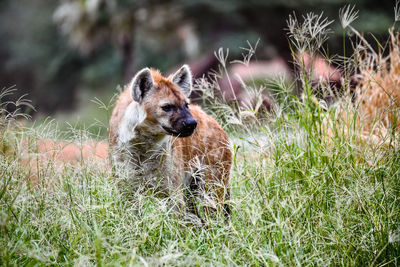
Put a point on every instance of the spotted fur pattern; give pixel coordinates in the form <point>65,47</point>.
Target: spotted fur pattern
<point>141,146</point>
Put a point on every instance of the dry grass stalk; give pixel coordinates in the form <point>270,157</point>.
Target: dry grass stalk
<point>378,95</point>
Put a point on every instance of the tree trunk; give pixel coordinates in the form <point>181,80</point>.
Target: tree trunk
<point>127,48</point>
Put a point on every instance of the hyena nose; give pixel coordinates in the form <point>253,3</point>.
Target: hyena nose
<point>190,124</point>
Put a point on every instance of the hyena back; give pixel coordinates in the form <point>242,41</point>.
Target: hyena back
<point>163,141</point>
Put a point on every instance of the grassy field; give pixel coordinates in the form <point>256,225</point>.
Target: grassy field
<point>309,187</point>
<point>298,198</point>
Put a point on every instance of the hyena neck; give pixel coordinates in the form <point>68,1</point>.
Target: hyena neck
<point>137,137</point>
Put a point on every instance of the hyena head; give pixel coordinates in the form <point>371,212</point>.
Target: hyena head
<point>165,100</point>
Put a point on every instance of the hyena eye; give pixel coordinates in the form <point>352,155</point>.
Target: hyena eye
<point>168,107</point>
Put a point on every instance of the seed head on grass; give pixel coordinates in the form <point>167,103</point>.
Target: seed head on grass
<point>22,102</point>
<point>347,15</point>
<point>309,35</point>
<point>397,11</point>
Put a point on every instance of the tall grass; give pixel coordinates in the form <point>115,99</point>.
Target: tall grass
<point>306,190</point>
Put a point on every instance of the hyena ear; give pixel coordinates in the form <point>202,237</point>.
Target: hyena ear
<point>141,84</point>
<point>183,78</point>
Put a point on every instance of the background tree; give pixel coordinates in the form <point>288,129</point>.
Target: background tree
<point>92,23</point>
<point>104,41</point>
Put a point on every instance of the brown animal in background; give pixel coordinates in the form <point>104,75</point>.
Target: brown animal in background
<point>325,75</point>
<point>231,88</point>
<point>165,143</point>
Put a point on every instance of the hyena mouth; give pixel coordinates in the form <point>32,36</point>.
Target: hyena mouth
<point>184,133</point>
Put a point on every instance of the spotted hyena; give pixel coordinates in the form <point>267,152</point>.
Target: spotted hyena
<point>164,142</point>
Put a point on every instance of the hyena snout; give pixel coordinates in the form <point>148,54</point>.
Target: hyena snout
<point>188,126</point>
<point>185,126</point>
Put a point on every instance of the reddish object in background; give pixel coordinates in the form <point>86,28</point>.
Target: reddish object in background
<point>232,87</point>
<point>322,71</point>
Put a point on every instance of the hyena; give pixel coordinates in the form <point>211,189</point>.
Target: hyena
<point>164,142</point>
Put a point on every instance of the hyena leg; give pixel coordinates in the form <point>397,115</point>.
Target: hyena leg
<point>227,206</point>
<point>223,195</point>
<point>224,191</point>
<point>192,193</point>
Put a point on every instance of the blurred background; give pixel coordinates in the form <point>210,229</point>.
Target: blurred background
<point>64,54</point>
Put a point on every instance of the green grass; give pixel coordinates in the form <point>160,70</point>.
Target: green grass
<point>297,199</point>
<point>307,189</point>
<point>91,115</point>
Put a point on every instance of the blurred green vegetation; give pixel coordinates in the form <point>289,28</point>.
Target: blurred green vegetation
<point>53,50</point>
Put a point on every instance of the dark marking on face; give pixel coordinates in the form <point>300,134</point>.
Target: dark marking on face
<point>168,106</point>
<point>182,123</point>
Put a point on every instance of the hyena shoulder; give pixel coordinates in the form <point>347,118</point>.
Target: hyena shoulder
<point>209,141</point>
